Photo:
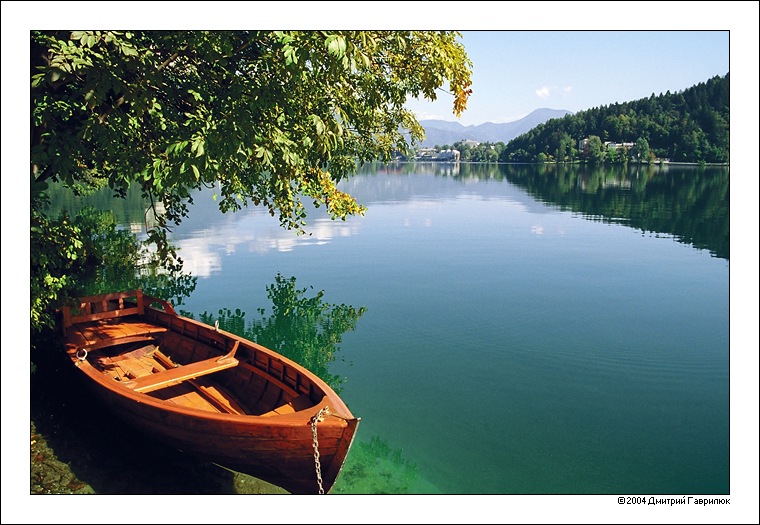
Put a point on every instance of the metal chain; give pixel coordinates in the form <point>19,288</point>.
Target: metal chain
<point>317,465</point>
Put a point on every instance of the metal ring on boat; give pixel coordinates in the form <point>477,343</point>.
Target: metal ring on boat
<point>83,356</point>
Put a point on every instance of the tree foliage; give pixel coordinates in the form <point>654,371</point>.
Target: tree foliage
<point>266,117</point>
<point>688,126</point>
<point>86,254</point>
<point>482,152</point>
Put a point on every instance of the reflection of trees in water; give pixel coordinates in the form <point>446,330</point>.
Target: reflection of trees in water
<point>115,259</point>
<point>308,330</point>
<point>690,203</point>
<point>305,329</point>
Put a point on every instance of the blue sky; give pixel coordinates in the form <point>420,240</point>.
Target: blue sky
<point>516,72</point>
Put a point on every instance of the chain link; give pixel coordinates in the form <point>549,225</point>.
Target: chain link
<point>317,466</point>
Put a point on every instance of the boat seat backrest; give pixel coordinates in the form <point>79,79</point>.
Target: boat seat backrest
<point>103,307</point>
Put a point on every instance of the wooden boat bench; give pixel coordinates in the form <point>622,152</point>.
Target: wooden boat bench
<point>100,320</point>
<point>173,376</point>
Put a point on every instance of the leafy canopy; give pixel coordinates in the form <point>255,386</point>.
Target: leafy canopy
<point>265,117</point>
<point>268,117</point>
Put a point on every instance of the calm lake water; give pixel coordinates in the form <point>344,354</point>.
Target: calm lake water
<point>526,330</point>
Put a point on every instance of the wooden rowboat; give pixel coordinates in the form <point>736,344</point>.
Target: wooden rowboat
<point>209,392</point>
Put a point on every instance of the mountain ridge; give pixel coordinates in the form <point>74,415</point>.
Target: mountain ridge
<point>445,132</point>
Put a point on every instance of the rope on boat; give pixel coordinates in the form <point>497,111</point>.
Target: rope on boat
<point>83,356</point>
<point>317,466</point>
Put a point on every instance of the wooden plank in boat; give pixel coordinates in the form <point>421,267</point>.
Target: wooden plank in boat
<point>135,367</point>
<point>299,403</point>
<point>222,402</point>
<point>94,335</point>
<point>182,373</point>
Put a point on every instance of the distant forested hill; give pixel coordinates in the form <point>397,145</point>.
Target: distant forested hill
<point>687,126</point>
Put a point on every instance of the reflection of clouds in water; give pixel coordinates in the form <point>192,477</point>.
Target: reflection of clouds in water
<point>425,222</point>
<point>420,210</point>
<point>322,232</point>
<point>538,229</point>
<point>198,259</point>
<point>200,249</point>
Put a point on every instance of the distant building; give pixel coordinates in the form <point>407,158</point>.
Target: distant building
<point>583,145</point>
<point>447,155</point>
<point>618,145</point>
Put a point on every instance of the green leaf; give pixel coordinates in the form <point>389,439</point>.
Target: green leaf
<point>264,154</point>
<point>336,45</point>
<point>290,55</point>
<point>319,125</point>
<point>129,51</point>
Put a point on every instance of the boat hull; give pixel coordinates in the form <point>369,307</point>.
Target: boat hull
<point>268,408</point>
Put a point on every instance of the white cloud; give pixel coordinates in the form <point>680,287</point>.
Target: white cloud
<point>543,92</point>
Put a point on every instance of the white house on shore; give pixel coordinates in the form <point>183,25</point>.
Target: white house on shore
<point>447,155</point>
<point>583,145</point>
<point>618,145</point>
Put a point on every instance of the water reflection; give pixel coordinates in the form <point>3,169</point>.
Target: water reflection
<point>207,234</point>
<point>689,203</point>
<point>307,330</point>
<point>131,212</point>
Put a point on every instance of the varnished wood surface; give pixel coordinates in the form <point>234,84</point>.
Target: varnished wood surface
<point>164,378</point>
<point>208,392</point>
